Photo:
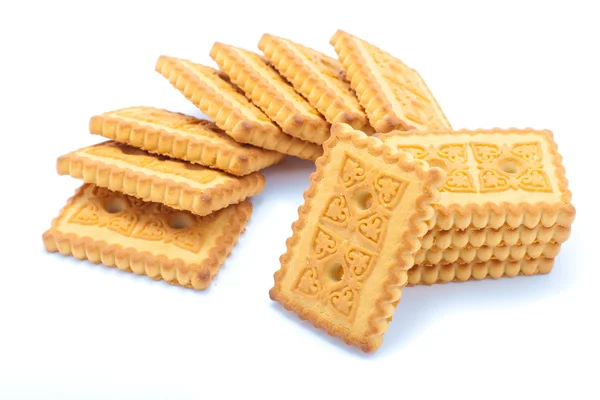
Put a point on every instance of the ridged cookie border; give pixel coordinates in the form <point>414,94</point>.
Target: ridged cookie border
<point>154,140</point>
<point>494,269</point>
<point>434,256</point>
<point>265,96</point>
<point>228,118</point>
<point>320,96</point>
<point>494,237</point>
<point>378,107</point>
<point>178,195</point>
<point>496,215</point>
<point>433,179</point>
<point>173,271</point>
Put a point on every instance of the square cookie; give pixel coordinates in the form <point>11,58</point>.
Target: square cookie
<point>177,184</point>
<point>183,137</point>
<point>394,96</point>
<point>495,177</point>
<point>356,237</point>
<point>212,92</point>
<point>146,238</point>
<point>271,93</point>
<point>319,78</point>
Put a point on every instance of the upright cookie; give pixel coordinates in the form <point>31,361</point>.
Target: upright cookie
<point>394,96</point>
<point>319,78</point>
<point>495,177</point>
<point>429,275</point>
<point>356,237</point>
<point>216,97</point>
<point>146,238</point>
<point>149,177</point>
<point>265,87</point>
<point>183,137</point>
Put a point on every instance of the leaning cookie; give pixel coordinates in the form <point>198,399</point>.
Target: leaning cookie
<point>356,237</point>
<point>149,177</point>
<point>183,137</point>
<point>394,96</point>
<point>215,96</point>
<point>319,78</point>
<point>271,93</point>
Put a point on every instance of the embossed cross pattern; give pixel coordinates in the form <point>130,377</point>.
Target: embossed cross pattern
<point>349,235</point>
<point>498,167</point>
<point>135,218</point>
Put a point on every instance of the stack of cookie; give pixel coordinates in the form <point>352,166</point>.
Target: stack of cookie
<point>166,197</point>
<point>501,207</point>
<point>504,209</point>
<point>399,198</point>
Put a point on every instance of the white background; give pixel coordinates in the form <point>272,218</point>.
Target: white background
<point>70,329</point>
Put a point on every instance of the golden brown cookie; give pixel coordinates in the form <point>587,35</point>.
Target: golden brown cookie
<point>271,93</point>
<point>183,137</point>
<point>319,78</point>
<point>149,177</point>
<point>495,178</point>
<point>216,97</point>
<point>494,237</point>
<point>422,275</point>
<point>356,237</point>
<point>464,255</point>
<point>146,238</point>
<point>394,96</point>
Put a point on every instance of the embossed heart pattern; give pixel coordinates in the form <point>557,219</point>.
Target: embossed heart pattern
<point>168,196</point>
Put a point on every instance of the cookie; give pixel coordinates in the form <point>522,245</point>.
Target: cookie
<point>149,177</point>
<point>394,96</point>
<point>494,237</point>
<point>495,177</point>
<point>319,78</point>
<point>215,96</point>
<point>436,256</point>
<point>356,237</point>
<point>422,275</point>
<point>183,137</point>
<point>265,87</point>
<point>146,238</point>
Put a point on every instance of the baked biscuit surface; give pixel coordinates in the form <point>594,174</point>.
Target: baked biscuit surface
<point>182,136</point>
<point>178,184</point>
<point>271,93</point>
<point>146,238</point>
<point>215,96</point>
<point>319,78</point>
<point>394,96</point>
<point>503,236</point>
<point>356,237</point>
<point>437,256</point>
<point>459,272</point>
<point>494,177</point>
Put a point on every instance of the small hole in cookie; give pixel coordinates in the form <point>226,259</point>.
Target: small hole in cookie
<point>363,199</point>
<point>509,166</point>
<point>115,205</point>
<point>180,221</point>
<point>436,163</point>
<point>335,272</point>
